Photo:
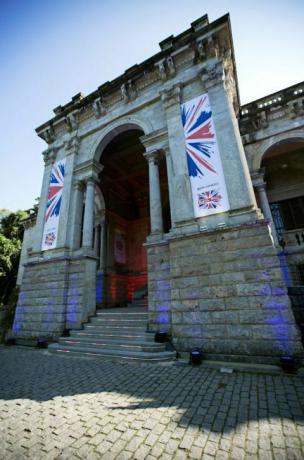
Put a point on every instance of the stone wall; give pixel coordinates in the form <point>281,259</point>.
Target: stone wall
<point>159,287</point>
<point>54,295</point>
<point>228,297</point>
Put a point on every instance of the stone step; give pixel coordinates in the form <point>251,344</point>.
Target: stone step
<point>102,321</point>
<point>120,355</point>
<point>110,335</point>
<point>114,328</point>
<point>113,344</point>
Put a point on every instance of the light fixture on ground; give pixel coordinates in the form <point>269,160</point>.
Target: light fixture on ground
<point>196,356</point>
<point>161,337</point>
<point>288,364</point>
<point>42,343</point>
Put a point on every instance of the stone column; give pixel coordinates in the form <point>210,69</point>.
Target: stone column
<point>96,238</point>
<point>156,218</point>
<point>260,186</point>
<point>180,183</point>
<point>170,175</point>
<point>102,253</point>
<point>49,157</point>
<point>88,222</point>
<point>77,215</point>
<point>216,80</point>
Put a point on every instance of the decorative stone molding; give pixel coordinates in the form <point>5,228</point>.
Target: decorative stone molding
<point>161,70</point>
<point>213,75</point>
<point>296,109</point>
<point>157,140</point>
<point>72,145</point>
<point>88,169</point>
<point>99,108</point>
<point>153,156</point>
<point>166,68</point>
<point>71,121</point>
<point>48,134</point>
<point>49,155</point>
<point>124,93</point>
<point>171,96</point>
<point>170,67</point>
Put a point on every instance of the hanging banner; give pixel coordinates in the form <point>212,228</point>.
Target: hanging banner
<point>208,185</point>
<point>120,247</point>
<point>53,206</point>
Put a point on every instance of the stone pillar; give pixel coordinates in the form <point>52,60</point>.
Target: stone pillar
<point>77,215</point>
<point>260,187</point>
<point>180,182</point>
<point>102,253</point>
<point>96,238</point>
<point>156,218</point>
<point>170,176</point>
<point>88,222</point>
<point>49,157</point>
<point>216,80</point>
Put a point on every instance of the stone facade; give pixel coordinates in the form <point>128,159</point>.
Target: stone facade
<point>213,282</point>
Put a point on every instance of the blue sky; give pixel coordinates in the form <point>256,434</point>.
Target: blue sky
<point>51,50</point>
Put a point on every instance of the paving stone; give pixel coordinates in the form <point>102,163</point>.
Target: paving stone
<point>60,408</point>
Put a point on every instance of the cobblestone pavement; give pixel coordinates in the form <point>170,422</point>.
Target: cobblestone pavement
<point>62,407</point>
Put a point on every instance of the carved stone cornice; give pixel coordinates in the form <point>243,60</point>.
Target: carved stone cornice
<point>99,108</point>
<point>207,48</point>
<point>171,96</point>
<point>48,134</point>
<point>166,68</point>
<point>128,91</point>
<point>71,121</point>
<point>296,108</point>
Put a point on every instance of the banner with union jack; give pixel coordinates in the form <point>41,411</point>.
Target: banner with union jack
<point>208,185</point>
<point>53,206</point>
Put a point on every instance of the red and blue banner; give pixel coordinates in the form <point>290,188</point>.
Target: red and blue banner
<point>208,185</point>
<point>54,199</point>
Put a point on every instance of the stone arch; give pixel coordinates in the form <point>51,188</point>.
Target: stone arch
<point>269,143</point>
<point>115,128</point>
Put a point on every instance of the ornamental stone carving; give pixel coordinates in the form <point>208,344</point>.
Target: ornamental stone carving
<point>99,108</point>
<point>71,121</point>
<point>49,155</point>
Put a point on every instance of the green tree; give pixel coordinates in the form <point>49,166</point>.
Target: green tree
<point>11,234</point>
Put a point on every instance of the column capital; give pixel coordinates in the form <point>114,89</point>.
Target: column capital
<point>171,96</point>
<point>90,180</point>
<point>153,156</point>
<point>77,183</point>
<point>212,75</point>
<point>257,178</point>
<point>72,145</point>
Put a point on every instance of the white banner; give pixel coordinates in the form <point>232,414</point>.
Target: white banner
<point>208,185</point>
<point>52,213</point>
<point>120,247</point>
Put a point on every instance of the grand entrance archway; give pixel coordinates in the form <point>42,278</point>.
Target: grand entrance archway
<point>124,183</point>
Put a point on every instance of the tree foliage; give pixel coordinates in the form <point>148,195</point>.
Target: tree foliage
<point>11,234</point>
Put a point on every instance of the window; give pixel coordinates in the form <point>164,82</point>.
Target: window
<point>288,214</point>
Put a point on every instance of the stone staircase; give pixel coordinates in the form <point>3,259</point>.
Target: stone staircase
<point>116,334</point>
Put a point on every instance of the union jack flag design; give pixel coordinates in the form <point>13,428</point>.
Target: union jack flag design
<point>55,190</point>
<point>199,135</point>
<point>209,200</point>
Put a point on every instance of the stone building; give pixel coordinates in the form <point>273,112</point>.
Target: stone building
<point>159,184</point>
